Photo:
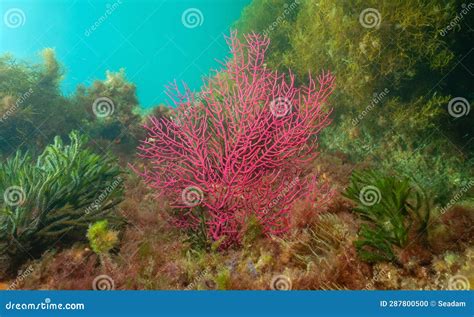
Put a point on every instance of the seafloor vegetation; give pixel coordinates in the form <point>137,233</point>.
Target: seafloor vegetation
<point>332,150</point>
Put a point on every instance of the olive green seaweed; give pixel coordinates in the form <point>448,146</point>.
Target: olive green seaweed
<point>390,207</point>
<point>396,73</point>
<point>55,198</point>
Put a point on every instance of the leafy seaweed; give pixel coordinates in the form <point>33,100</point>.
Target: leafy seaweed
<point>391,207</point>
<point>54,198</point>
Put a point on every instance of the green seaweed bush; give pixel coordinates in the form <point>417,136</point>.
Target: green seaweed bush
<point>101,238</point>
<point>33,110</point>
<point>53,199</point>
<point>400,43</point>
<point>391,207</point>
<point>31,100</point>
<point>393,90</point>
<point>110,112</point>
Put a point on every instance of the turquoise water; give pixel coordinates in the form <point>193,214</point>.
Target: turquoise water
<point>150,39</point>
